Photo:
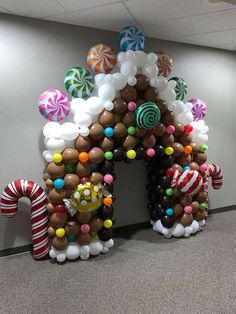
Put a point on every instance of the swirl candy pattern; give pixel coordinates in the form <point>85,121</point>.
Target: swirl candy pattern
<point>39,216</point>
<point>181,87</point>
<point>199,109</point>
<point>79,82</point>
<point>164,63</point>
<point>131,38</point>
<point>53,105</point>
<point>101,58</point>
<point>190,182</point>
<point>147,116</point>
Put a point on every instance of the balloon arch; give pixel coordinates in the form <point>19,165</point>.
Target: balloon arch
<point>128,111</point>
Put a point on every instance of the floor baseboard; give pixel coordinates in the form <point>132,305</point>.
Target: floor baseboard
<point>117,231</point>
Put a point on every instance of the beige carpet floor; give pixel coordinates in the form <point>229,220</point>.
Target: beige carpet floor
<point>144,273</point>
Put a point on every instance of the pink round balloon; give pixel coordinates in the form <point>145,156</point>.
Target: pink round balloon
<point>188,209</point>
<point>85,228</point>
<point>199,109</point>
<point>108,178</point>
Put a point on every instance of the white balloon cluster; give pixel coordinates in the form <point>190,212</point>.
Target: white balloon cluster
<point>74,250</point>
<point>199,133</point>
<point>183,111</point>
<point>178,230</point>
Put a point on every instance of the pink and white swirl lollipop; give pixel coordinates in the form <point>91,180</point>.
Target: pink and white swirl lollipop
<point>53,105</point>
<point>199,109</point>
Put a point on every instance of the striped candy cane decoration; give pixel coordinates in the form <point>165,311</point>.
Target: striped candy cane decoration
<point>39,216</point>
<point>216,175</point>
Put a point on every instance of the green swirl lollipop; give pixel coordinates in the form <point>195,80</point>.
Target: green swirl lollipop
<point>147,116</point>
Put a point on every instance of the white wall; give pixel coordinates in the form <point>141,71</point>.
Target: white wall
<point>34,56</point>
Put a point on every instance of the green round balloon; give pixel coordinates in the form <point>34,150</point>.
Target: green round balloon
<point>180,88</point>
<point>147,116</point>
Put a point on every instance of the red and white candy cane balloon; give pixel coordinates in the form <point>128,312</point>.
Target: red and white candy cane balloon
<point>216,175</point>
<point>39,215</point>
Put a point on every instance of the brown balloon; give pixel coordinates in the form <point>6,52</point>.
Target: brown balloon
<point>176,192</point>
<point>186,219</point>
<point>82,144</point>
<point>83,169</point>
<point>95,224</point>
<point>140,101</point>
<point>49,183</point>
<point>178,149</point>
<point>56,170</point>
<point>140,133</point>
<point>46,176</point>
<point>96,132</point>
<point>96,155</point>
<point>159,130</point>
<point>58,220</point>
<point>149,141</point>
<point>179,129</point>
<point>195,207</point>
<point>200,216</point>
<point>162,105</point>
<point>128,119</point>
<point>71,181</point>
<point>96,177</point>
<point>106,144</point>
<point>185,140</point>
<point>72,228</point>
<point>194,166</point>
<point>70,156</point>
<point>129,93</point>
<point>56,196</point>
<point>177,167</point>
<point>129,142</point>
<point>142,82</point>
<point>69,193</point>
<point>195,148</point>
<point>120,106</point>
<point>151,94</point>
<point>185,200</point>
<point>84,238</point>
<point>50,208</point>
<point>200,158</point>
<point>107,118</point>
<point>178,210</point>
<point>167,140</point>
<point>168,118</point>
<point>83,218</point>
<point>120,130</point>
<point>59,243</point>
<point>201,197</point>
<point>51,231</point>
<point>184,160</point>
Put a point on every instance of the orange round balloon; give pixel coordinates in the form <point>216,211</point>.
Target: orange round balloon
<point>83,157</point>
<point>188,149</point>
<point>107,201</point>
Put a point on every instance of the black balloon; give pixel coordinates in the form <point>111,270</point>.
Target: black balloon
<point>168,161</point>
<point>106,212</point>
<point>166,201</point>
<point>107,166</point>
<point>160,151</point>
<point>105,234</point>
<point>119,154</point>
<point>164,182</point>
<point>168,221</point>
<point>140,153</point>
<point>109,187</point>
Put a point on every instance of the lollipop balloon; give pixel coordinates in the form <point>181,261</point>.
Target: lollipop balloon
<point>101,58</point>
<point>199,109</point>
<point>53,105</point>
<point>147,116</point>
<point>164,64</point>
<point>181,87</point>
<point>79,82</point>
<point>131,38</point>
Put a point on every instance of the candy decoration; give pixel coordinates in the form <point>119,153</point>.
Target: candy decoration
<point>53,105</point>
<point>131,38</point>
<point>199,109</point>
<point>147,116</point>
<point>216,175</point>
<point>79,82</point>
<point>39,215</point>
<point>101,58</point>
<point>190,182</point>
<point>164,63</point>
<point>180,88</point>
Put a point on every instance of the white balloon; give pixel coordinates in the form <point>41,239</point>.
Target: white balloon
<point>139,58</point>
<point>106,92</point>
<point>69,131</point>
<point>178,230</point>
<point>128,69</point>
<point>84,257</point>
<point>151,58</point>
<point>109,243</point>
<point>108,105</point>
<point>132,80</point>
<point>61,257</point>
<point>47,156</point>
<point>52,129</point>
<point>179,106</point>
<point>121,57</point>
<point>95,248</point>
<point>77,104</point>
<point>105,249</point>
<point>162,83</point>
<point>84,131</point>
<point>99,79</point>
<point>55,145</point>
<point>52,253</point>
<point>85,249</point>
<point>154,82</point>
<point>119,81</point>
<point>73,251</point>
<point>109,79</point>
<point>185,117</point>
<point>82,119</point>
<point>94,105</point>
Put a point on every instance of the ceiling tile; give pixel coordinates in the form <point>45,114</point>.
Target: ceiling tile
<point>169,29</point>
<point>203,6</point>
<point>33,8</point>
<point>153,10</point>
<point>73,5</point>
<point>112,17</point>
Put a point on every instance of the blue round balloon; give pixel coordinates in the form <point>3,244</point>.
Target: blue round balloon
<point>131,38</point>
<point>109,132</point>
<point>169,212</point>
<point>59,184</point>
<point>186,168</point>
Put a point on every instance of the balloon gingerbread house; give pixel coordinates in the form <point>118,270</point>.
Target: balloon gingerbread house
<point>128,110</point>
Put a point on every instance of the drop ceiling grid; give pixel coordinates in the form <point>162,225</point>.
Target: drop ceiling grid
<point>191,21</point>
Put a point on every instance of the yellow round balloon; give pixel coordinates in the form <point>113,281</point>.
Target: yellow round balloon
<point>131,154</point>
<point>107,223</point>
<point>169,150</point>
<point>60,232</point>
<point>57,157</point>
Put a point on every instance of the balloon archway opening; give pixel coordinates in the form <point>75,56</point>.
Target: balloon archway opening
<point>127,111</point>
